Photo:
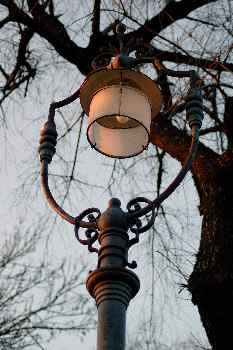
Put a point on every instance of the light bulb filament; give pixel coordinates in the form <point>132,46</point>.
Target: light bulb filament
<point>121,119</point>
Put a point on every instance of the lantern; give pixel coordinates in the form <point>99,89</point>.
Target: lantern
<point>120,105</point>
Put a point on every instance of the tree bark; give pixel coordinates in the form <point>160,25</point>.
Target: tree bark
<point>211,282</point>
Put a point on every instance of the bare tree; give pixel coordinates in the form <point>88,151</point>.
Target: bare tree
<point>38,299</point>
<point>143,340</point>
<point>180,34</point>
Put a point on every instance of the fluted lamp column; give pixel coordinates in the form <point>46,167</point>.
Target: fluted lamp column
<point>112,284</point>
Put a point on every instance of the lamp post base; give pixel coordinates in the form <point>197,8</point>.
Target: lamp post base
<point>112,288</point>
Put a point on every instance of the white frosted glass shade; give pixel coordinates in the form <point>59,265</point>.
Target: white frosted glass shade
<point>119,121</point>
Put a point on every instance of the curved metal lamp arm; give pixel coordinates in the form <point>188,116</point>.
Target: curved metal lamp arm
<point>62,103</point>
<point>194,116</point>
<point>48,142</point>
<point>175,183</point>
<point>48,195</point>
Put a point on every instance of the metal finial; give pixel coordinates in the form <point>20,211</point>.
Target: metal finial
<point>114,202</point>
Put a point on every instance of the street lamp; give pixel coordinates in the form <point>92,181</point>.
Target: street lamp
<point>121,103</point>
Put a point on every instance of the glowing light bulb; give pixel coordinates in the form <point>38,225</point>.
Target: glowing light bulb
<point>122,120</point>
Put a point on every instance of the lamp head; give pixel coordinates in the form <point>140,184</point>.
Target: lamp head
<point>120,104</point>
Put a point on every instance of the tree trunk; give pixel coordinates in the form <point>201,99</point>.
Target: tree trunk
<point>211,282</point>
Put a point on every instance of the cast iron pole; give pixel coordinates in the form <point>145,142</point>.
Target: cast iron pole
<point>112,284</point>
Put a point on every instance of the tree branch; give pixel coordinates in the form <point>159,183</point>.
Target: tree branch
<point>32,4</point>
<point>228,120</point>
<point>4,21</point>
<point>5,2</point>
<point>212,129</point>
<point>96,18</point>
<point>177,57</point>
<point>202,21</point>
<point>51,7</point>
<point>170,14</point>
<point>21,60</point>
<point>6,76</point>
<point>50,28</point>
<point>176,143</point>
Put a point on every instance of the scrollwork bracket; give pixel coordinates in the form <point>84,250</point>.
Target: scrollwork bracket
<point>91,233</point>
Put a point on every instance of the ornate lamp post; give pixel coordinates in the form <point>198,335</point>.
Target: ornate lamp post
<point>120,103</point>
